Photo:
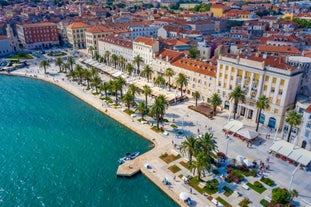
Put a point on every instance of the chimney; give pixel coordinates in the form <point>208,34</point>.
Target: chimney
<point>264,56</point>
<point>167,58</point>
<point>161,56</point>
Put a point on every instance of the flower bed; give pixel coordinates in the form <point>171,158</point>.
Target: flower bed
<point>185,164</point>
<point>228,192</point>
<point>257,186</point>
<point>223,202</point>
<point>267,181</point>
<point>264,202</point>
<point>169,158</point>
<point>174,168</point>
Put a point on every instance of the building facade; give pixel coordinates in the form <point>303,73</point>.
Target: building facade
<point>38,35</point>
<point>259,75</point>
<point>5,47</point>
<point>95,33</point>
<point>76,34</point>
<point>145,47</point>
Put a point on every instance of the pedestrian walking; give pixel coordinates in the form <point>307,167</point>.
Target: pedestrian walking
<point>190,190</point>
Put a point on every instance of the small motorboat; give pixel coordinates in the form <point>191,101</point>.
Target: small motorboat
<point>128,156</point>
<point>134,155</point>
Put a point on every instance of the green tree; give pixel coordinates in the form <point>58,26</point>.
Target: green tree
<point>194,53</point>
<point>114,86</point>
<point>107,56</point>
<point>198,165</point>
<point>142,109</point>
<point>215,101</point>
<point>96,56</point>
<point>93,72</point>
<point>158,109</point>
<point>127,98</point>
<point>59,63</point>
<point>87,77</point>
<point>169,72</point>
<point>189,147</point>
<point>122,62</point>
<point>138,60</point>
<point>133,89</point>
<point>114,59</point>
<point>147,92</point>
<point>292,119</point>
<point>71,61</point>
<point>105,87</point>
<point>182,81</point>
<point>159,81</point>
<point>280,196</point>
<point>79,72</point>
<point>96,82</point>
<point>261,104</point>
<point>237,95</point>
<point>129,68</point>
<point>44,64</point>
<point>91,49</point>
<point>208,145</point>
<point>147,72</point>
<point>121,83</point>
<point>293,194</point>
<point>66,67</point>
<point>196,95</point>
<point>101,59</point>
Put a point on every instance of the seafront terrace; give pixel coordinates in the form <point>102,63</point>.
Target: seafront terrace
<point>190,121</point>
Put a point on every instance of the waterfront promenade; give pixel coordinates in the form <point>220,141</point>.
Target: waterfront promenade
<point>189,121</point>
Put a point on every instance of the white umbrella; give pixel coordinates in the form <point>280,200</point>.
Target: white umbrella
<point>248,162</point>
<point>184,196</point>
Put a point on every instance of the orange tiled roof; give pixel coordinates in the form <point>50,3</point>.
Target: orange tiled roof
<point>279,49</point>
<point>114,39</point>
<point>218,6</point>
<point>98,29</point>
<point>41,24</point>
<point>196,66</point>
<point>146,40</point>
<point>308,109</point>
<point>3,37</point>
<point>76,25</point>
<point>170,54</point>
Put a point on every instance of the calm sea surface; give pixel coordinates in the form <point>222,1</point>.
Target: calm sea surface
<point>55,150</point>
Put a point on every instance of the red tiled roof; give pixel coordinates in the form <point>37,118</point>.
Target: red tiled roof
<point>218,6</point>
<point>41,24</point>
<point>196,66</point>
<point>98,29</point>
<point>279,49</point>
<point>170,54</point>
<point>114,39</point>
<point>3,37</point>
<point>146,40</point>
<point>308,109</point>
<point>76,25</point>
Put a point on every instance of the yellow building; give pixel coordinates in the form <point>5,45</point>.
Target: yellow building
<point>218,10</point>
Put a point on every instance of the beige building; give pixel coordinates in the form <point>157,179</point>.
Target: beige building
<point>76,34</point>
<point>145,47</point>
<point>94,33</point>
<point>259,75</point>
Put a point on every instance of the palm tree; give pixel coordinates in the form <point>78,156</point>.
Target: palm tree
<point>122,62</point>
<point>59,63</point>
<point>182,81</point>
<point>293,194</point>
<point>44,64</point>
<point>215,101</point>
<point>147,92</point>
<point>196,95</point>
<point>133,89</point>
<point>87,77</point>
<point>137,60</point>
<point>72,74</point>
<point>101,59</point>
<point>169,73</point>
<point>261,104</point>
<point>189,146</point>
<point>147,72</point>
<point>199,164</point>
<point>91,48</point>
<point>66,67</point>
<point>96,82</point>
<point>79,72</point>
<point>106,56</point>
<point>159,81</point>
<point>208,145</point>
<point>114,59</point>
<point>129,68</point>
<point>292,119</point>
<point>71,61</point>
<point>105,87</point>
<point>93,72</point>
<point>121,82</point>
<point>127,98</point>
<point>142,109</point>
<point>158,110</point>
<point>114,86</point>
<point>96,56</point>
<point>237,95</point>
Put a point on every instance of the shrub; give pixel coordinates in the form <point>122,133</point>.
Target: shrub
<point>258,184</point>
<point>212,184</point>
<point>244,202</point>
<point>267,181</point>
<point>216,172</point>
<point>227,190</point>
<point>281,196</point>
<point>264,202</point>
<point>174,168</point>
<point>259,190</point>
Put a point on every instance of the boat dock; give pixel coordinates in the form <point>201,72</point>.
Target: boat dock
<point>129,168</point>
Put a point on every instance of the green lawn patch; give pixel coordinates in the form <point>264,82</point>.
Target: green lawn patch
<point>215,171</point>
<point>168,158</point>
<point>160,130</point>
<point>180,176</point>
<point>267,181</point>
<point>174,126</point>
<point>57,54</point>
<point>264,202</point>
<point>129,112</point>
<point>244,202</point>
<point>228,192</point>
<point>258,189</point>
<point>223,202</point>
<point>174,168</point>
<point>194,183</point>
<point>211,186</point>
<point>141,119</point>
<point>185,164</point>
<point>24,56</point>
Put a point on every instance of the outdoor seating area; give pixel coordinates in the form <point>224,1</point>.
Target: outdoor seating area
<point>102,67</point>
<point>292,154</point>
<point>204,109</point>
<point>235,128</point>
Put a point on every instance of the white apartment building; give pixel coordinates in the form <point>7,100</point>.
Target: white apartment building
<point>95,33</point>
<point>143,30</point>
<point>145,47</point>
<point>115,45</point>
<point>5,47</point>
<point>259,75</point>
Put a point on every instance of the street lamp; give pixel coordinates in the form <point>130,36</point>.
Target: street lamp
<point>292,177</point>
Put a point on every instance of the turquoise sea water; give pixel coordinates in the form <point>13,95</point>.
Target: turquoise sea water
<point>55,150</point>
